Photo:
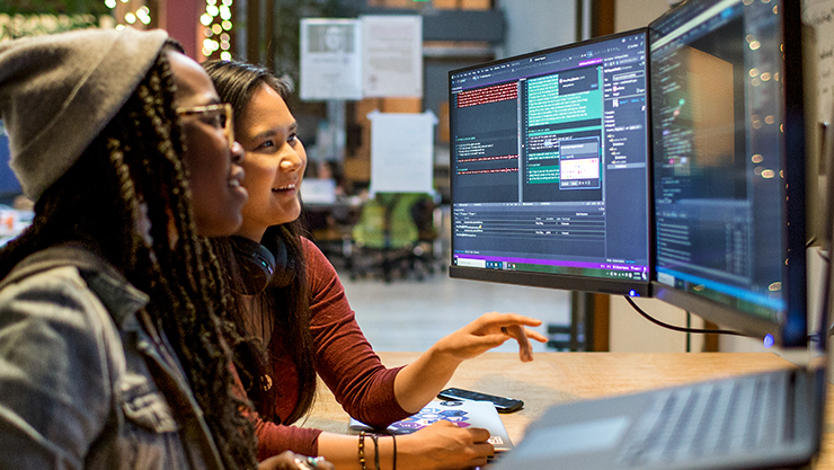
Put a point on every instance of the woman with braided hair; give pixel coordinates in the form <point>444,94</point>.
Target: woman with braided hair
<point>111,347</point>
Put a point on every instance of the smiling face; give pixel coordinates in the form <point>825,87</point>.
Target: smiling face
<point>274,162</point>
<point>213,164</point>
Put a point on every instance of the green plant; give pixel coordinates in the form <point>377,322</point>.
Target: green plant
<point>36,17</point>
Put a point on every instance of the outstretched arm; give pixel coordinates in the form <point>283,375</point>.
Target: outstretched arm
<point>420,381</point>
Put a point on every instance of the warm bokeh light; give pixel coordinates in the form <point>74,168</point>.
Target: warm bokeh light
<point>217,20</point>
<point>130,12</point>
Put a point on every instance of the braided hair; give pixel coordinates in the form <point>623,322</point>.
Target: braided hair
<point>134,162</point>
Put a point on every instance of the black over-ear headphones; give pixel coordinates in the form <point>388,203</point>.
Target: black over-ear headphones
<point>260,267</point>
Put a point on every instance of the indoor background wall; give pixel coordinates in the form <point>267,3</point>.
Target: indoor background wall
<point>630,14</point>
<point>537,24</point>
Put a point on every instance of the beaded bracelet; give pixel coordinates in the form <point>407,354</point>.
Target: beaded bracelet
<point>375,438</point>
<point>361,450</point>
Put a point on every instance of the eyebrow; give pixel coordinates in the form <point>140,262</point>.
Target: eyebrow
<point>272,132</point>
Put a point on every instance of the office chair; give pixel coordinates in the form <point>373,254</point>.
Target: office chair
<point>387,238</point>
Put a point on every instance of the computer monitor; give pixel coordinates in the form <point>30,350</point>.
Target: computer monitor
<point>729,165</point>
<point>549,178</point>
<point>319,191</point>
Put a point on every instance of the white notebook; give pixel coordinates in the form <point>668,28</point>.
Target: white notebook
<point>464,413</point>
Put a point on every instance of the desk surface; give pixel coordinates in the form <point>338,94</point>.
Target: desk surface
<point>563,377</point>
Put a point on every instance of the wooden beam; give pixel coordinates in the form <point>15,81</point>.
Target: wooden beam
<point>601,323</point>
<point>253,31</point>
<point>710,340</point>
<point>269,35</point>
<point>602,17</point>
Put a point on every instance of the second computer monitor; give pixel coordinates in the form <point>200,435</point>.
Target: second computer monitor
<point>729,164</point>
<point>549,167</point>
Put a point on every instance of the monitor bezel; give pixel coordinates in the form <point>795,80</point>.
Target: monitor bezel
<point>563,281</point>
<point>787,333</point>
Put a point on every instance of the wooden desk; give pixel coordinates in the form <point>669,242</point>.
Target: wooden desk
<point>563,377</point>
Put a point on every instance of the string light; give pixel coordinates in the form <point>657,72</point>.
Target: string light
<point>217,20</point>
<point>142,14</point>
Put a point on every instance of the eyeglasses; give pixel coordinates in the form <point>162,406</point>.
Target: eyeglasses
<point>218,115</point>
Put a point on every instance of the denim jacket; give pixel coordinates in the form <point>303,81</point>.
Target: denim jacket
<point>84,381</point>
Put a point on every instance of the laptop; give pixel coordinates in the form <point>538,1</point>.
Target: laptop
<point>771,419</point>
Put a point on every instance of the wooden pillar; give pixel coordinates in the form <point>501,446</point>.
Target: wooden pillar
<point>710,340</point>
<point>602,17</point>
<point>269,34</point>
<point>157,13</point>
<point>253,31</point>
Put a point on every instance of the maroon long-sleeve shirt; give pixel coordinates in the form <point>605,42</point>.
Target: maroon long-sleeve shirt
<point>344,360</point>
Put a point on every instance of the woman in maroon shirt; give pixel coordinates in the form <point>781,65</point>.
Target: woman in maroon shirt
<point>298,319</point>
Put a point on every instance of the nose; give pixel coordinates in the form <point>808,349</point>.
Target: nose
<point>290,161</point>
<point>237,152</point>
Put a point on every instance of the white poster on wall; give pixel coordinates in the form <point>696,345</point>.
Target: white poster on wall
<point>330,56</point>
<point>401,152</point>
<point>819,14</point>
<point>392,55</point>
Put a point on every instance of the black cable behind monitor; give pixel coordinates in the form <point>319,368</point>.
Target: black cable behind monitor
<point>679,328</point>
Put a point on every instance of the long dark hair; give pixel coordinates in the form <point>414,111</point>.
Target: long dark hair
<point>288,305</point>
<point>137,159</point>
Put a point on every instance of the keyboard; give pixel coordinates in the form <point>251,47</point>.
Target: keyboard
<point>712,419</point>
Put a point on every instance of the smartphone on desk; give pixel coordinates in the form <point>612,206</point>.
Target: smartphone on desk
<point>502,404</point>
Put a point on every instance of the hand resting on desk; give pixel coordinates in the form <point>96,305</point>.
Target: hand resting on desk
<point>444,445</point>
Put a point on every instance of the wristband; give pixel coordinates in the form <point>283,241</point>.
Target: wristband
<point>375,438</point>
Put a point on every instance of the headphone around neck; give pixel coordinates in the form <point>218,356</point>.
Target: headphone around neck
<point>260,267</point>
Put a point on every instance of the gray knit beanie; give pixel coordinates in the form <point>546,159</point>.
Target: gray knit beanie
<point>58,92</point>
